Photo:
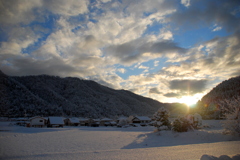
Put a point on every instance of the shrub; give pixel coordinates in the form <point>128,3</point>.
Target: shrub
<point>181,124</point>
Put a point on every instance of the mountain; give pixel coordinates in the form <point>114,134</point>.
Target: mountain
<point>226,90</point>
<point>54,96</point>
<point>177,109</point>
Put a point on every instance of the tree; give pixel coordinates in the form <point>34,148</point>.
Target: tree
<point>197,120</point>
<point>232,114</point>
<point>122,122</point>
<point>161,119</point>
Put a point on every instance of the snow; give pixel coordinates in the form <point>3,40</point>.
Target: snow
<point>18,142</point>
<point>106,119</point>
<point>74,120</point>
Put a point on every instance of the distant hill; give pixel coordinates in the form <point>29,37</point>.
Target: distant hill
<point>227,89</point>
<point>53,96</point>
<point>177,109</point>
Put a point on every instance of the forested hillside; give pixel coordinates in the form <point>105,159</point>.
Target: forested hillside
<point>225,90</point>
<point>218,100</point>
<point>50,95</point>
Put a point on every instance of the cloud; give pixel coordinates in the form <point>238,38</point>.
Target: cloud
<point>218,28</point>
<point>28,66</point>
<point>90,38</point>
<point>139,7</point>
<point>109,80</point>
<point>121,70</point>
<point>25,12</point>
<point>14,12</point>
<point>172,94</point>
<point>105,1</point>
<point>141,50</point>
<point>221,13</point>
<point>143,67</point>
<point>188,86</point>
<point>166,34</point>
<point>67,8</point>
<point>154,91</point>
<point>186,3</point>
<point>156,63</point>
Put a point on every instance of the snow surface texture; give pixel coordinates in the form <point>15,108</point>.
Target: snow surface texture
<point>222,157</point>
<point>115,143</point>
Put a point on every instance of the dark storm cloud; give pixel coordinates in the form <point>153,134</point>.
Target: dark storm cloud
<point>133,51</point>
<point>188,86</point>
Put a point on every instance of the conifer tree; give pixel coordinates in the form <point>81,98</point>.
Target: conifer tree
<point>161,118</point>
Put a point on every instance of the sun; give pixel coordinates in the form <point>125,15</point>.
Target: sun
<point>188,100</point>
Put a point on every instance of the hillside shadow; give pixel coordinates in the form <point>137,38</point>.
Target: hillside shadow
<point>128,129</point>
<point>169,138</point>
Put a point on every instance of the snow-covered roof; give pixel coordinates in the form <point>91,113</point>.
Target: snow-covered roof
<point>74,120</point>
<point>83,119</point>
<point>36,117</point>
<point>56,120</point>
<point>22,119</point>
<point>106,119</point>
<point>143,118</point>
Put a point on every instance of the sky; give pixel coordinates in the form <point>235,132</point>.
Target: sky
<point>168,50</point>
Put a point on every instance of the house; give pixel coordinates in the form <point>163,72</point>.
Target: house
<point>143,120</point>
<point>105,122</point>
<point>37,121</point>
<point>95,123</point>
<point>72,121</point>
<point>85,121</point>
<point>55,122</point>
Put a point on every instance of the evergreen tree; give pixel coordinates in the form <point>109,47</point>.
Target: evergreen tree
<point>161,119</point>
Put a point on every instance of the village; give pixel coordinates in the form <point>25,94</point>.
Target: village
<point>40,122</point>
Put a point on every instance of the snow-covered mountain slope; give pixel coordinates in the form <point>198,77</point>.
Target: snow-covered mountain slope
<point>50,95</point>
<point>226,90</point>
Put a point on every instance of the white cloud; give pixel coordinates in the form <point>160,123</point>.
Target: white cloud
<point>217,28</point>
<point>143,67</point>
<point>121,70</point>
<point>67,8</point>
<point>105,1</point>
<point>156,63</point>
<point>186,3</point>
<point>165,34</point>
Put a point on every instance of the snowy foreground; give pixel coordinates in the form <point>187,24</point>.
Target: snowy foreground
<point>115,143</point>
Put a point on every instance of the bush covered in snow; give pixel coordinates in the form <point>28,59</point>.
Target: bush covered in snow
<point>195,120</point>
<point>222,157</point>
<point>181,124</point>
<point>122,122</point>
<point>161,118</point>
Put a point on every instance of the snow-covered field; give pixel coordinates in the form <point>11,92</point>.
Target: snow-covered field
<point>114,143</point>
